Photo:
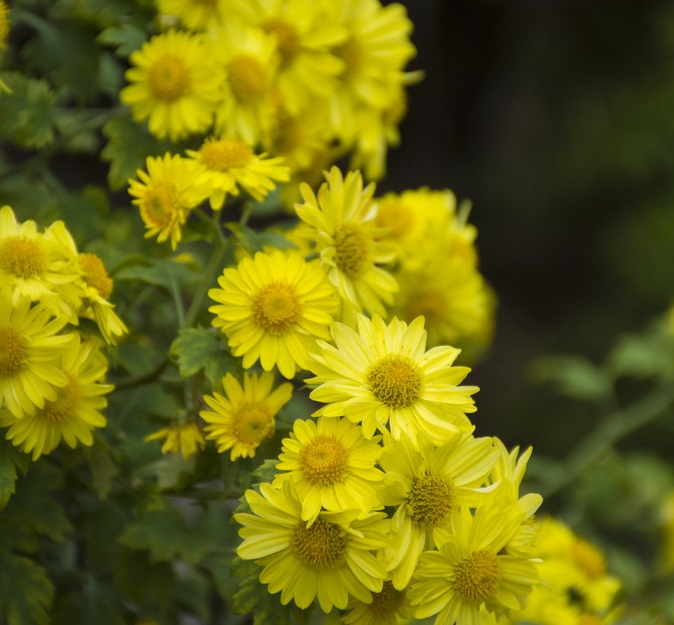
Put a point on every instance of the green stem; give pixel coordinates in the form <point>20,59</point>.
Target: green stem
<point>608,432</point>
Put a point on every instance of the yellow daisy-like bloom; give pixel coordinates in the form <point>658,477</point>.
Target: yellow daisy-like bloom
<point>332,560</point>
<point>40,266</point>
<point>196,15</point>
<point>429,485</point>
<point>388,607</point>
<point>244,417</point>
<point>454,299</point>
<point>75,410</point>
<point>165,195</point>
<point>331,465</point>
<point>272,308</point>
<point>175,85</point>
<point>383,376</point>
<point>340,219</point>
<point>227,164</point>
<point>249,59</point>
<point>303,35</point>
<point>469,571</point>
<point>374,53</point>
<point>30,352</point>
<point>95,305</point>
<point>186,439</point>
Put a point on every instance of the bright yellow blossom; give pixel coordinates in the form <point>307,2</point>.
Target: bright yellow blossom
<point>186,439</point>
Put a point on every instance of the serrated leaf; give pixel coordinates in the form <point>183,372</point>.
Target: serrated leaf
<point>125,38</point>
<point>574,376</point>
<point>26,593</point>
<point>266,472</point>
<point>26,114</point>
<point>253,241</point>
<point>129,144</point>
<point>165,272</point>
<point>200,348</point>
<point>650,355</point>
<point>12,462</point>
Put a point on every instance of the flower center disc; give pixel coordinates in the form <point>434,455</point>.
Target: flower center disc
<point>159,204</point>
<point>13,351</point>
<point>324,461</point>
<point>252,425</point>
<point>352,251</point>
<point>431,499</point>
<point>588,558</point>
<point>95,274</point>
<point>395,380</point>
<point>247,78</point>
<point>225,154</point>
<point>276,308</point>
<point>168,79</point>
<point>62,408</point>
<point>387,602</point>
<point>320,545</point>
<point>287,39</point>
<point>476,577</point>
<point>22,256</point>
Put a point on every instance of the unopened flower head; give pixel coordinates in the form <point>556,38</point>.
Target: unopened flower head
<point>244,417</point>
<point>272,308</point>
<point>174,84</point>
<point>383,376</point>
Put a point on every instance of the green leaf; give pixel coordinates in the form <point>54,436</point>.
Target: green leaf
<point>266,472</point>
<point>574,376</point>
<point>26,114</point>
<point>26,594</point>
<point>125,38</point>
<point>253,241</point>
<point>140,579</point>
<point>170,273</point>
<point>129,144</point>
<point>101,465</point>
<point>644,356</point>
<point>12,462</point>
<point>202,348</point>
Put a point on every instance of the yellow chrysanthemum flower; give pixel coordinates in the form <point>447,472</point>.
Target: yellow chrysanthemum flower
<point>186,439</point>
<point>249,60</point>
<point>428,486</point>
<point>75,410</point>
<point>272,308</point>
<point>165,195</point>
<point>383,376</point>
<point>40,266</point>
<point>469,571</point>
<point>244,417</point>
<point>332,560</point>
<point>227,164</point>
<point>95,305</point>
<point>340,220</point>
<point>175,85</point>
<point>196,15</point>
<point>303,35</point>
<point>30,353</point>
<point>331,465</point>
<point>388,607</point>
<point>375,52</point>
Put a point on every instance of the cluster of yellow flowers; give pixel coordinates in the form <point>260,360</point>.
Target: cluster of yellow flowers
<point>577,590</point>
<point>51,368</point>
<point>308,81</point>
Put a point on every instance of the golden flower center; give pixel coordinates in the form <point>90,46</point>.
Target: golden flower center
<point>352,250</point>
<point>225,154</point>
<point>429,303</point>
<point>169,78</point>
<point>22,256</point>
<point>276,308</point>
<point>476,577</point>
<point>252,424</point>
<point>63,407</point>
<point>386,603</point>
<point>321,545</point>
<point>351,52</point>
<point>430,499</point>
<point>159,204</point>
<point>395,380</point>
<point>13,351</point>
<point>588,558</point>
<point>95,274</point>
<point>397,217</point>
<point>247,78</point>
<point>287,38</point>
<point>324,461</point>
